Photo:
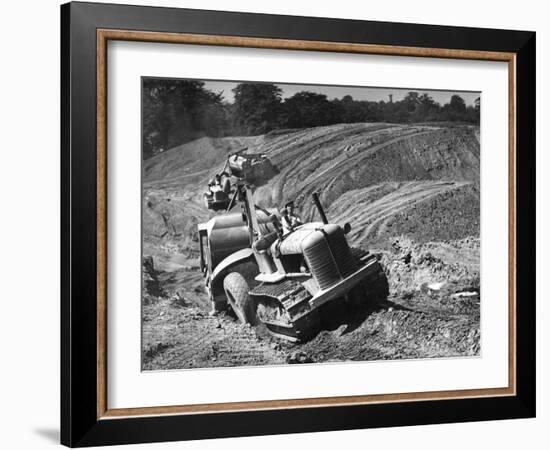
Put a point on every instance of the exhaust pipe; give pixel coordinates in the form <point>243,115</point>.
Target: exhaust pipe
<point>317,202</point>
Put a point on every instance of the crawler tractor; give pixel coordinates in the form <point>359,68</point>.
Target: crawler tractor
<point>285,277</point>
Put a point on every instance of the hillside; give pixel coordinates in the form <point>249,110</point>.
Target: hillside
<point>366,174</point>
<point>410,193</point>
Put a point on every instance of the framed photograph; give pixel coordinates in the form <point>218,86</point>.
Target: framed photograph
<point>276,224</point>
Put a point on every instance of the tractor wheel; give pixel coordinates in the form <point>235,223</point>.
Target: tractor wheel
<point>236,290</point>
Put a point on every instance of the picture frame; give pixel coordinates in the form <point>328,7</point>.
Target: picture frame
<point>86,418</point>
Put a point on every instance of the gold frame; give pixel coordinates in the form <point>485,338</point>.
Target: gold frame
<point>103,36</point>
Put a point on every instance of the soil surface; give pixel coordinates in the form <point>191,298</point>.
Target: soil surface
<point>411,195</point>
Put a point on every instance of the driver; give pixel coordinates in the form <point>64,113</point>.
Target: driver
<point>215,184</point>
<point>289,219</point>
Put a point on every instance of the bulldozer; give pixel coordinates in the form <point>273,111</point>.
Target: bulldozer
<point>269,268</point>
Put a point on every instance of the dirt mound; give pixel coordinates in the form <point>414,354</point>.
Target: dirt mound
<point>394,332</point>
<point>443,267</point>
<point>453,214</point>
<point>384,210</point>
<point>334,160</point>
<point>378,177</point>
<point>197,156</point>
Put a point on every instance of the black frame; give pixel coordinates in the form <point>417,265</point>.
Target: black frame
<point>79,423</point>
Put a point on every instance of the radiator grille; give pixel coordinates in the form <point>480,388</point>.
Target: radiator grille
<point>342,253</point>
<point>330,258</point>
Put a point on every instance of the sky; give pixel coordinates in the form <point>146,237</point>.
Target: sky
<point>358,93</point>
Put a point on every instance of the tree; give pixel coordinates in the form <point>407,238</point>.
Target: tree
<point>426,109</point>
<point>457,104</point>
<point>348,110</point>
<point>308,109</point>
<point>177,111</point>
<point>411,101</point>
<point>257,107</point>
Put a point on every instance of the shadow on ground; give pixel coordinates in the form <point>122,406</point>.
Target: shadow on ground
<point>49,434</point>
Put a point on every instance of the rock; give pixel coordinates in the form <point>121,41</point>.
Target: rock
<point>178,300</point>
<point>298,358</point>
<point>465,294</point>
<point>151,285</point>
<point>436,286</point>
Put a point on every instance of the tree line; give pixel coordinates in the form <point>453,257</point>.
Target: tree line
<point>178,111</point>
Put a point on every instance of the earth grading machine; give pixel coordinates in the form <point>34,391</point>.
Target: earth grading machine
<point>273,269</point>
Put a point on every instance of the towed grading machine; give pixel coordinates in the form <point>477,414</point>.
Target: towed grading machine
<point>251,166</point>
<point>278,271</point>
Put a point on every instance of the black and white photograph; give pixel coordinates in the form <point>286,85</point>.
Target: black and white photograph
<point>288,223</point>
<point>275,225</point>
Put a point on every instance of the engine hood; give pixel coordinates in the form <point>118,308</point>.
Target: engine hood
<point>293,243</point>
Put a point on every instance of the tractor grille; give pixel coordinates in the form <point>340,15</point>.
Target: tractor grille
<point>342,253</point>
<point>321,264</point>
<point>330,258</point>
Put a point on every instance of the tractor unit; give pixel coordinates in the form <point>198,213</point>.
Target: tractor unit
<point>280,272</point>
